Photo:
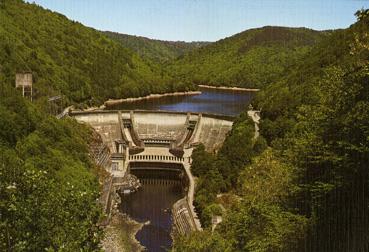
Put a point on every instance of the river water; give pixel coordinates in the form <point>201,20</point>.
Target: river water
<point>151,204</point>
<point>215,101</point>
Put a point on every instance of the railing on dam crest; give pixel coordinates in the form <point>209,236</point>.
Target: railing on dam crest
<point>158,158</point>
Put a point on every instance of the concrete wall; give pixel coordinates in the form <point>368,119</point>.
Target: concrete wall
<point>211,130</point>
<point>96,117</point>
<point>106,124</point>
<point>182,218</point>
<point>159,125</point>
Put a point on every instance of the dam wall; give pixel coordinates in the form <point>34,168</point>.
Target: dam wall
<point>156,126</point>
<point>159,126</point>
<point>157,137</point>
<point>212,132</point>
<point>106,124</point>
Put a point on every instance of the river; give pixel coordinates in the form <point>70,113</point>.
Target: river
<point>153,201</point>
<point>151,204</point>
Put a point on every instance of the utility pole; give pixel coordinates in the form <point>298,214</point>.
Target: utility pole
<point>55,104</point>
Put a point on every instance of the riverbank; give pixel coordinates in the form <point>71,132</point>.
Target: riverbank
<point>231,88</point>
<point>113,102</point>
<point>120,235</point>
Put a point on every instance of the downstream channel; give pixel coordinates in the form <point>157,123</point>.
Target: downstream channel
<point>152,203</point>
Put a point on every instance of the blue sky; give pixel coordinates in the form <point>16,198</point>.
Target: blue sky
<point>205,20</point>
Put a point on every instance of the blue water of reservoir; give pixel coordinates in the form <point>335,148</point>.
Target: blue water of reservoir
<point>214,101</point>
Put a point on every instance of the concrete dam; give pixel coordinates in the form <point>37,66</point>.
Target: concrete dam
<point>156,147</point>
<point>153,149</point>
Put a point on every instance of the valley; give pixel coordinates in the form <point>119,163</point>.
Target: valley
<point>254,142</point>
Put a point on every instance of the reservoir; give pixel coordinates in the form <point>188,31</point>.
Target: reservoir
<point>213,101</point>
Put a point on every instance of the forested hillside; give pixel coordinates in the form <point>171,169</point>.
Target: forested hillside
<point>68,58</point>
<point>309,189</point>
<point>155,50</point>
<point>253,59</point>
<point>48,187</point>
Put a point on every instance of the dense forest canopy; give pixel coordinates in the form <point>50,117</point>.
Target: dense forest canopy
<point>254,58</point>
<point>309,189</point>
<point>155,50</point>
<point>48,185</point>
